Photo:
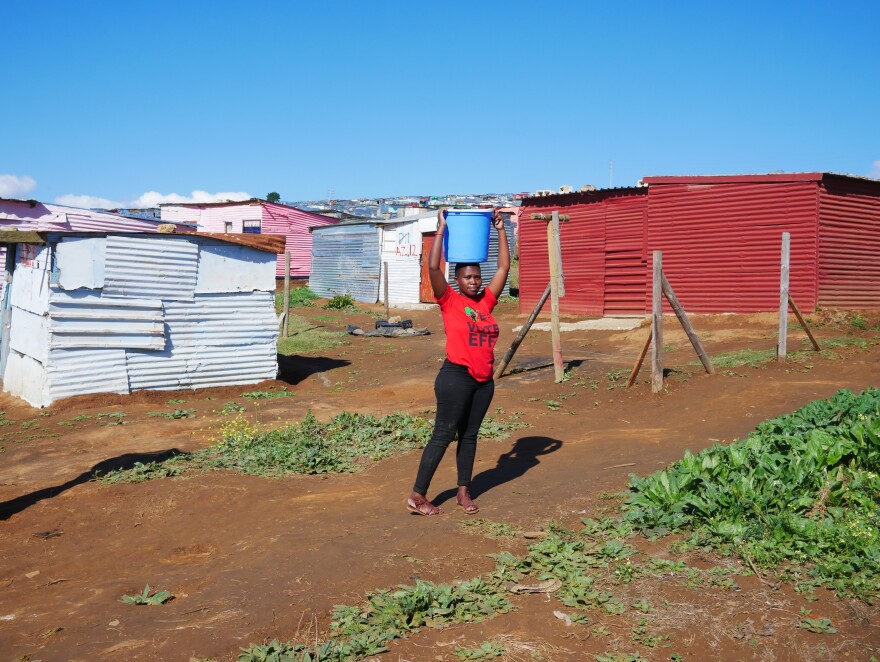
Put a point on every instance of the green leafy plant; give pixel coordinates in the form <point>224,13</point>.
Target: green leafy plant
<point>146,598</point>
<point>231,407</point>
<point>177,413</point>
<point>340,302</point>
<point>486,651</point>
<point>798,494</point>
<point>112,418</point>
<point>267,395</point>
<point>817,625</point>
<point>176,401</point>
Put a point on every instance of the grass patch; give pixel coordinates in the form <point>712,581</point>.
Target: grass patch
<point>344,444</point>
<point>799,495</point>
<point>300,297</point>
<point>306,338</point>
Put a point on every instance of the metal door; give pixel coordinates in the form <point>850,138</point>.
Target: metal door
<point>426,293</point>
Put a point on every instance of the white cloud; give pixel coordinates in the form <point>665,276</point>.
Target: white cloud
<point>875,170</point>
<point>149,199</point>
<point>12,186</point>
<point>87,202</point>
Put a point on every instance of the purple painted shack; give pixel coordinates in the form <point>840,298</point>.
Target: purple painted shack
<point>258,217</point>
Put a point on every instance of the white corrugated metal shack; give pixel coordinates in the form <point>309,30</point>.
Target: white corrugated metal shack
<point>113,312</point>
<point>348,258</point>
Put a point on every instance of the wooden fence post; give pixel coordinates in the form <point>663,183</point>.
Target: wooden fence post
<point>553,246</point>
<point>385,264</point>
<point>782,346</point>
<point>522,333</point>
<point>657,324</point>
<point>286,293</point>
<point>686,325</point>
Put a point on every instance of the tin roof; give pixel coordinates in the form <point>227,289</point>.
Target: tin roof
<point>765,178</point>
<point>269,243</point>
<point>583,196</point>
<point>230,203</point>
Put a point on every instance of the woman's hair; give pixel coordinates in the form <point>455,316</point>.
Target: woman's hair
<point>461,265</point>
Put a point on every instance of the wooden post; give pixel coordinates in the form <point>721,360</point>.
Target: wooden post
<point>6,319</point>
<point>686,325</point>
<point>552,247</point>
<point>781,347</point>
<point>286,293</point>
<point>657,324</point>
<point>385,264</point>
<point>522,333</point>
<point>638,365</point>
<point>803,322</point>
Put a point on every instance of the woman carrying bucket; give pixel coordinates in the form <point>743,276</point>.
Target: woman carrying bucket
<point>464,386</point>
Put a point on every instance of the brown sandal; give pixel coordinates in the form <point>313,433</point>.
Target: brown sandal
<point>469,509</point>
<point>423,508</point>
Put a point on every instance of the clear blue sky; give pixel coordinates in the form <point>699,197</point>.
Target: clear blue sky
<point>373,98</point>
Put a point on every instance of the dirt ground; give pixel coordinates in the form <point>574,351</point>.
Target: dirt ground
<point>250,559</point>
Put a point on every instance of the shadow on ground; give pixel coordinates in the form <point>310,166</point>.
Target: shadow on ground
<point>522,457</point>
<point>293,369</point>
<point>127,461</point>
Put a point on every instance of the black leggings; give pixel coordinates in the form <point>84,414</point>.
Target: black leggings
<point>462,403</point>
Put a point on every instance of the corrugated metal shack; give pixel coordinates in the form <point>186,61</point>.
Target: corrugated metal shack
<point>43,217</point>
<point>256,216</point>
<point>109,312</point>
<point>720,237</point>
<point>603,251</point>
<point>348,259</point>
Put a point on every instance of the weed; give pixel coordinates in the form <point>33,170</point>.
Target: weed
<point>359,631</point>
<point>231,407</point>
<point>341,302</point>
<point>146,598</point>
<point>176,401</point>
<point>177,413</point>
<point>858,321</point>
<point>817,625</point>
<point>553,405</point>
<point>144,471</point>
<point>112,418</point>
<point>267,395</point>
<point>80,417</point>
<point>4,420</point>
<point>486,651</point>
<point>490,529</point>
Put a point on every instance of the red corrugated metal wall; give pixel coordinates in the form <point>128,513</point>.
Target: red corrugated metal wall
<point>721,243</point>
<point>583,246</point>
<point>625,226</point>
<point>849,244</point>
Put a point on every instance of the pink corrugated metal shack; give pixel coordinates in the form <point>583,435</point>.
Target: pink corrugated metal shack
<point>721,240</point>
<point>258,217</point>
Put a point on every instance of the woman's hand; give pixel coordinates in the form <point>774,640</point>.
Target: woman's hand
<point>441,220</point>
<point>498,219</point>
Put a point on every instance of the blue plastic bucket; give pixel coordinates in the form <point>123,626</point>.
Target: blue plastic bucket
<point>467,235</point>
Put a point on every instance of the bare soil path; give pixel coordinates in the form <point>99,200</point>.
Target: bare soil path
<point>249,558</point>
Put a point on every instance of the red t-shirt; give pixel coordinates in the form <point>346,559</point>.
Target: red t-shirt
<point>471,331</point>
